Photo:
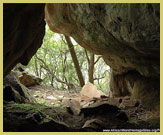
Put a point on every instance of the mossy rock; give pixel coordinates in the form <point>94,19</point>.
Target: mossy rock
<point>29,118</point>
<point>29,80</point>
<point>15,91</point>
<point>154,122</point>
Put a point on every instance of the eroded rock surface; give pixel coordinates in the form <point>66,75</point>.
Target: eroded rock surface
<point>144,89</point>
<point>23,32</point>
<point>126,35</point>
<point>13,90</point>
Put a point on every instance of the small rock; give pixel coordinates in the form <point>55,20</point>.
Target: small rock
<point>94,123</point>
<point>73,106</point>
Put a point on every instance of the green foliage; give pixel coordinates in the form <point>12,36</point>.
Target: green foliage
<point>55,53</point>
<point>40,101</point>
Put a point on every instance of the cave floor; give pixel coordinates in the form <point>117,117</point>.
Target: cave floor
<point>53,112</point>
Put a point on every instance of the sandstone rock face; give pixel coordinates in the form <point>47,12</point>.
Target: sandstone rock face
<point>23,31</point>
<point>148,92</point>
<point>15,91</point>
<point>144,89</point>
<point>126,35</point>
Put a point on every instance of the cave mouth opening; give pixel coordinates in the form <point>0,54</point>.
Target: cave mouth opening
<point>50,81</point>
<point>57,105</point>
<point>53,75</point>
<point>53,86</point>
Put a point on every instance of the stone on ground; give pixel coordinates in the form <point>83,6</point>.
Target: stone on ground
<point>91,91</point>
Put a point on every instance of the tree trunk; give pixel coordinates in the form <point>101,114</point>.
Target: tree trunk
<point>52,79</point>
<point>36,66</point>
<point>91,68</point>
<point>75,60</point>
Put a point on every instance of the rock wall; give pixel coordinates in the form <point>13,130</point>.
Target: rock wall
<point>144,89</point>
<point>15,91</point>
<point>126,35</point>
<point>23,31</point>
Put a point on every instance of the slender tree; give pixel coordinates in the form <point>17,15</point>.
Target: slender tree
<point>91,68</point>
<point>91,63</point>
<point>36,66</point>
<point>75,60</point>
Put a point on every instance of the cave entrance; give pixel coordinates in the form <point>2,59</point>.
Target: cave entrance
<point>58,97</point>
<point>56,75</point>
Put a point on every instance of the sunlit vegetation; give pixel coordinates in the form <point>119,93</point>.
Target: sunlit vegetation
<point>53,63</point>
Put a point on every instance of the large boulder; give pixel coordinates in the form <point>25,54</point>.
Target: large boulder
<point>91,91</point>
<point>31,118</point>
<point>23,32</point>
<point>13,90</point>
<point>27,79</point>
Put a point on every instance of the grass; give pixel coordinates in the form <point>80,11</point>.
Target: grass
<point>40,101</point>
